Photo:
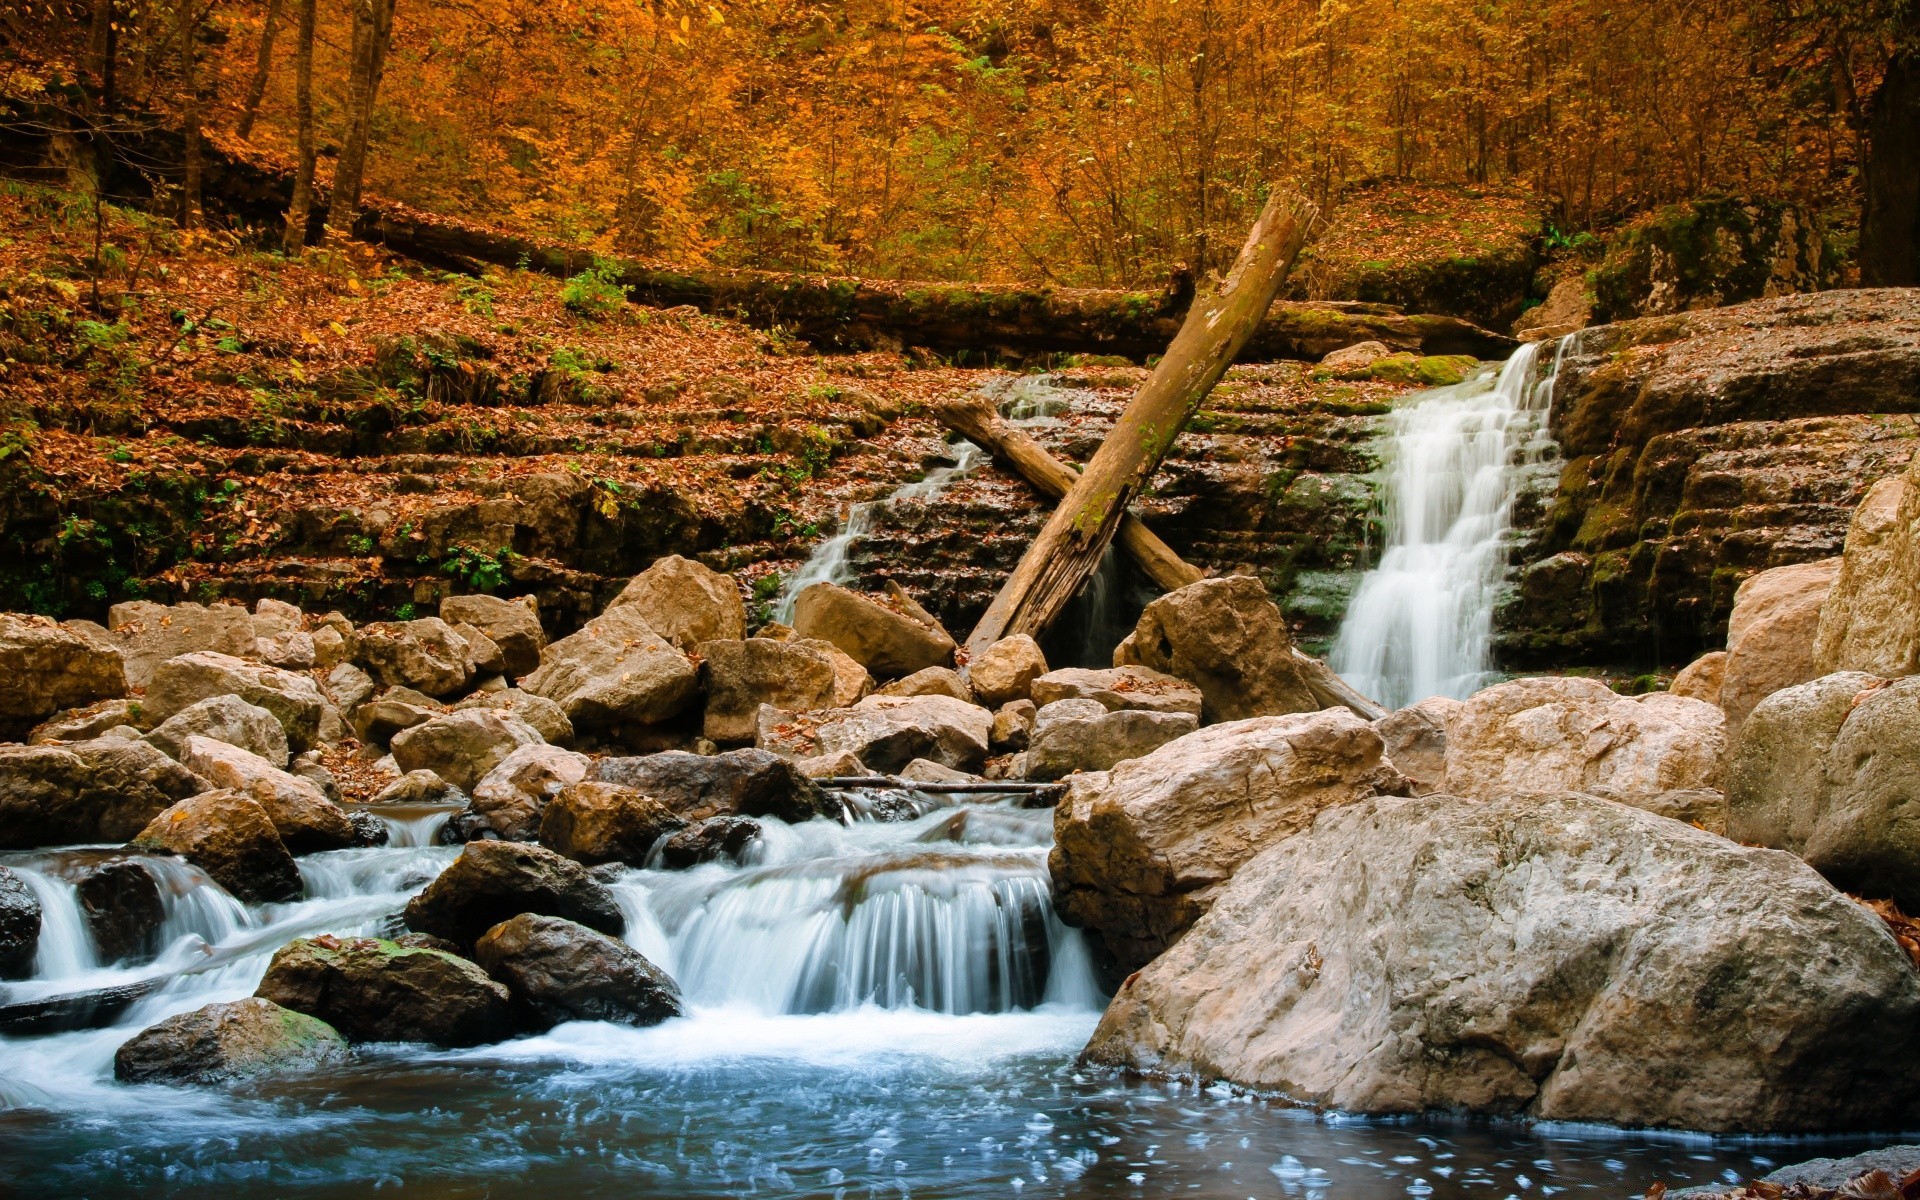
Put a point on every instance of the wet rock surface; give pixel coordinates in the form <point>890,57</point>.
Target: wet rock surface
<point>104,790</point>
<point>230,837</point>
<point>558,971</point>
<point>494,881</point>
<point>19,926</point>
<point>374,990</point>
<point>227,1043</point>
<point>694,787</point>
<point>595,822</point>
<point>121,903</point>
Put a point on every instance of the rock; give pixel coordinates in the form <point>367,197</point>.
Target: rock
<point>227,1043</point>
<point>831,766</point>
<point>851,682</point>
<point>293,650</point>
<point>509,801</point>
<point>1227,637</point>
<point>751,783</point>
<point>561,971</point>
<point>369,831</point>
<point>1569,734</point>
<point>1701,678</point>
<point>931,681</point>
<point>309,767</point>
<point>1140,853</point>
<point>1416,738</point>
<point>686,603</point>
<point>48,668</point>
<point>461,747</point>
<point>1770,637</point>
<point>425,654</point>
<point>380,720</point>
<point>890,638</point>
<point>1703,807</point>
<point>1897,1162</point>
<point>715,839</point>
<point>419,787</point>
<point>921,770</point>
<point>888,732</point>
<point>615,671</point>
<point>482,651</point>
<point>493,881</point>
<point>543,714</point>
<point>594,822</point>
<point>274,617</point>
<point>1567,309</point>
<point>330,647</point>
<point>743,675</point>
<point>512,625</point>
<point>1777,766</point>
<point>374,990</point>
<point>1560,957</point>
<point>149,634</point>
<point>231,838</point>
<point>1118,688</point>
<point>301,813</point>
<point>1082,735</point>
<point>182,682</point>
<point>121,902</point>
<point>1870,621</point>
<point>1354,359</point>
<point>105,790</point>
<point>19,926</point>
<point>348,687</point>
<point>1006,671</point>
<point>1708,252</point>
<point>1012,726</point>
<point>226,719</point>
<point>85,724</point>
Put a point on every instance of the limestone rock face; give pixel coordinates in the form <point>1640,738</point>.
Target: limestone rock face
<point>226,1043</point>
<point>1082,735</point>
<point>104,790</point>
<point>888,732</point>
<point>1566,734</point>
<point>1416,738</point>
<point>1006,671</point>
<point>374,990</point>
<point>427,655</point>
<point>494,881</point>
<point>149,634</point>
<point>686,603</point>
<point>1226,637</point>
<point>1777,766</point>
<point>558,971</point>
<point>753,783</point>
<point>48,668</point>
<point>1562,957</point>
<point>509,801</point>
<point>226,719</point>
<point>593,822</point>
<point>544,715</point>
<point>462,747</point>
<point>889,639</point>
<point>19,926</point>
<point>182,682</point>
<point>1701,678</point>
<point>301,814</point>
<point>1118,688</point>
<point>1140,853</point>
<point>743,675</point>
<point>931,681</point>
<point>1871,618</point>
<point>617,670</point>
<point>512,625</point>
<point>230,837</point>
<point>1771,635</point>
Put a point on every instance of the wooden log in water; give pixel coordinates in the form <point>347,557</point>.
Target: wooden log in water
<point>76,1010</point>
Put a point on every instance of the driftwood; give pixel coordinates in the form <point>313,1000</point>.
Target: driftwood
<point>1069,547</point>
<point>983,788</point>
<point>76,1010</point>
<point>1332,691</point>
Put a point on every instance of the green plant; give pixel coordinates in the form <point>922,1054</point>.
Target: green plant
<point>594,293</point>
<point>476,569</point>
<point>406,612</point>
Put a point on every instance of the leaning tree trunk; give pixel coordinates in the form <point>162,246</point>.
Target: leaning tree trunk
<point>262,65</point>
<point>372,28</point>
<point>1890,180</point>
<point>1069,547</point>
<point>300,210</point>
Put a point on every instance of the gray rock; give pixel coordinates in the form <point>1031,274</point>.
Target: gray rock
<point>227,1043</point>
<point>512,625</point>
<point>1866,834</point>
<point>1083,735</point>
<point>716,839</point>
<point>182,682</point>
<point>19,926</point>
<point>121,902</point>
<point>149,634</point>
<point>1416,738</point>
<point>558,971</point>
<point>494,881</point>
<point>226,719</point>
<point>374,990</point>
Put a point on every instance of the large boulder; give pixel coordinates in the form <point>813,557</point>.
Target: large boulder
<point>716,839</point>
<point>743,675</point>
<point>685,602</point>
<point>461,747</point>
<point>104,790</point>
<point>19,926</point>
<point>890,637</point>
<point>753,783</point>
<point>1140,853</point>
<point>593,822</point>
<point>427,655</point>
<point>1555,734</point>
<point>509,801</point>
<point>1005,671</point>
<point>852,682</point>
<point>493,881</point>
<point>226,719</point>
<point>888,732</point>
<point>228,1043</point>
<point>381,719</point>
<point>124,910</point>
<point>1083,735</point>
<point>1701,679</point>
<point>1561,957</point>
<point>543,714</point>
<point>1228,638</point>
<point>301,813</point>
<point>1118,688</point>
<point>512,625</point>
<point>149,634</point>
<point>84,724</point>
<point>558,970</point>
<point>1416,738</point>
<point>48,668</point>
<point>1771,635</point>
<point>374,990</point>
<point>615,671</point>
<point>931,681</point>
<point>230,837</point>
<point>1871,618</point>
<point>293,699</point>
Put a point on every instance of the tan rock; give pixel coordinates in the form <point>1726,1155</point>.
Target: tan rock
<point>462,747</point>
<point>743,675</point>
<point>686,603</point>
<point>851,682</point>
<point>301,814</point>
<point>595,822</point>
<point>482,651</point>
<point>149,634</point>
<point>1567,309</point>
<point>1006,670</point>
<point>887,732</point>
<point>931,681</point>
<point>1228,638</point>
<point>1416,738</point>
<point>831,766</point>
<point>1013,725</point>
<point>890,639</point>
<point>511,799</point>
<point>426,654</point>
<point>1871,619</point>
<point>512,625</point>
<point>290,696</point>
<point>228,719</point>
<point>231,838</point>
<point>1085,735</point>
<point>538,711</point>
<point>1118,688</point>
<point>615,671</point>
<point>47,668</point>
<point>1771,634</point>
<point>1354,359</point>
<point>1701,678</point>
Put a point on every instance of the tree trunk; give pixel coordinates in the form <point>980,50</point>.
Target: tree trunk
<point>1890,180</point>
<point>189,22</point>
<point>262,65</point>
<point>1068,549</point>
<point>372,28</point>
<point>300,211</point>
<point>103,47</point>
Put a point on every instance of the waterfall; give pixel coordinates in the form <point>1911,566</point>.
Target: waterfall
<point>1421,623</point>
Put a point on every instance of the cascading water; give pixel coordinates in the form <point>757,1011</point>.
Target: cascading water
<point>1421,622</point>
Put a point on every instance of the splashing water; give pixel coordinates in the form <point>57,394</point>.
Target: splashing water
<point>1421,623</point>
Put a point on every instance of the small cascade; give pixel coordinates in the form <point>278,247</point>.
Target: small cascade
<point>66,947</point>
<point>1421,623</point>
<point>410,825</point>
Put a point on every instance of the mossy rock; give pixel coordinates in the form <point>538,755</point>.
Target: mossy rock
<point>1710,252</point>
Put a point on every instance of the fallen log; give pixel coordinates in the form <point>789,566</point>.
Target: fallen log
<point>75,1010</point>
<point>986,787</point>
<point>1069,547</point>
<point>1334,692</point>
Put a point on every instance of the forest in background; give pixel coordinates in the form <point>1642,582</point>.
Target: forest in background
<point>1071,142</point>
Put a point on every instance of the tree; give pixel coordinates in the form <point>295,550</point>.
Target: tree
<point>263,63</point>
<point>372,31</point>
<point>301,210</point>
<point>1890,176</point>
<point>188,14</point>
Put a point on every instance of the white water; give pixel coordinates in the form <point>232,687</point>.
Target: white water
<point>1421,623</point>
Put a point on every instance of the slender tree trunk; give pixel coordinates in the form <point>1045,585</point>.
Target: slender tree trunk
<point>1890,208</point>
<point>372,29</point>
<point>189,28</point>
<point>103,45</point>
<point>299,211</point>
<point>262,64</point>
